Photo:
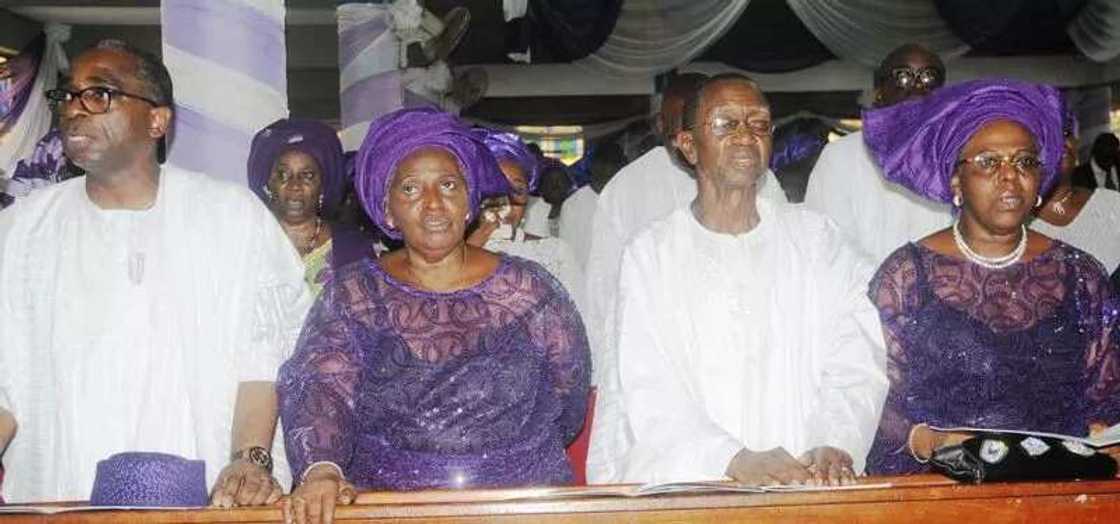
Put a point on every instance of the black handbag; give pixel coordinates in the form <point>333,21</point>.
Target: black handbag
<point>1000,457</point>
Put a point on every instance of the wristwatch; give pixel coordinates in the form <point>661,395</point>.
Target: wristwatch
<point>254,455</point>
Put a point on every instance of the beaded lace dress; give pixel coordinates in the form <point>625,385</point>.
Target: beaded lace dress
<point>1033,346</point>
<point>407,389</point>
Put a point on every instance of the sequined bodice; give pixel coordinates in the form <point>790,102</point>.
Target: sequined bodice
<point>977,366</point>
<point>1024,347</point>
<point>407,389</point>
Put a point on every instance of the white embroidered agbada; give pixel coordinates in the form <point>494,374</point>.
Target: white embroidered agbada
<point>536,220</point>
<point>643,191</point>
<point>130,330</point>
<point>1096,229</point>
<point>877,216</point>
<point>757,340</point>
<point>575,222</point>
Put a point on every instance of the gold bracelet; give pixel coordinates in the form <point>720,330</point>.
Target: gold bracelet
<point>910,443</point>
<point>341,475</point>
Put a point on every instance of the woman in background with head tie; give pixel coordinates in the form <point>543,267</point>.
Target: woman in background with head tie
<point>297,168</point>
<point>499,226</point>
<point>1085,218</point>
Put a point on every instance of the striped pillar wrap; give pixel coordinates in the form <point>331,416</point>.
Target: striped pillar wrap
<point>370,83</point>
<point>228,62</point>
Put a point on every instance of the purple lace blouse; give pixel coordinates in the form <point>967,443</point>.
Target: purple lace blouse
<point>407,389</point>
<point>1034,346</point>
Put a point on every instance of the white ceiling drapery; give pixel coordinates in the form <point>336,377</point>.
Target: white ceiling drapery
<point>864,31</point>
<point>1096,30</point>
<point>653,36</point>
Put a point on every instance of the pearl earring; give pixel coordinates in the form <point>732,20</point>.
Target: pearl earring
<point>1038,201</point>
<point>958,200</point>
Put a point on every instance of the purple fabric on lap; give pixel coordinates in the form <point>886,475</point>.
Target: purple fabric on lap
<point>149,479</point>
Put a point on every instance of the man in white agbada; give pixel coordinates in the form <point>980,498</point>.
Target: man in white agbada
<point>747,346</point>
<point>144,308</point>
<point>878,216</point>
<point>647,189</point>
<point>579,207</point>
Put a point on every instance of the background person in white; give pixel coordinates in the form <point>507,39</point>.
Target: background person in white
<point>144,308</point>
<point>875,215</point>
<point>645,190</point>
<point>747,346</point>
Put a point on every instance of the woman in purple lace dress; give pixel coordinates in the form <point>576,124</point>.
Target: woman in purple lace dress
<point>439,365</point>
<point>988,324</point>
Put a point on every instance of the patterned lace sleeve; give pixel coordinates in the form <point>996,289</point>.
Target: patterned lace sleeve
<point>894,291</point>
<point>317,385</point>
<point>1099,309</point>
<point>557,324</point>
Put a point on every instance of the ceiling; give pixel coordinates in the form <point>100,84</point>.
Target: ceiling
<point>776,40</point>
<point>311,34</point>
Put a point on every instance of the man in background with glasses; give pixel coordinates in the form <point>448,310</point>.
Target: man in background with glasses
<point>847,185</point>
<point>144,307</point>
<point>747,347</point>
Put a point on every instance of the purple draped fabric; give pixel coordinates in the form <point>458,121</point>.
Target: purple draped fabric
<point>16,88</point>
<point>46,166</point>
<point>1012,27</point>
<point>406,389</point>
<point>567,30</point>
<point>1035,346</point>
<point>916,143</point>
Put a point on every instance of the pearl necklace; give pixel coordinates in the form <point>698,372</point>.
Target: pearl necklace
<point>990,262</point>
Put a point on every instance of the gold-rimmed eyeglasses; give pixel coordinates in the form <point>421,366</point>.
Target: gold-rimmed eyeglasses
<point>990,163</point>
<point>722,126</point>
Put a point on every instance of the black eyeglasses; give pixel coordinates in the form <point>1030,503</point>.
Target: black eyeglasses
<point>908,78</point>
<point>95,100</point>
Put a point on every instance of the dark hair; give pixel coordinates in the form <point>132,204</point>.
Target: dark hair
<point>897,57</point>
<point>1108,140</point>
<point>150,71</point>
<point>156,81</point>
<point>683,85</point>
<point>692,105</point>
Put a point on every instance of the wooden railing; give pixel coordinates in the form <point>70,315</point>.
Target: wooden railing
<point>922,498</point>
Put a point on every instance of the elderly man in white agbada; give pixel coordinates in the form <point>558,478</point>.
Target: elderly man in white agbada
<point>747,346</point>
<point>647,189</point>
